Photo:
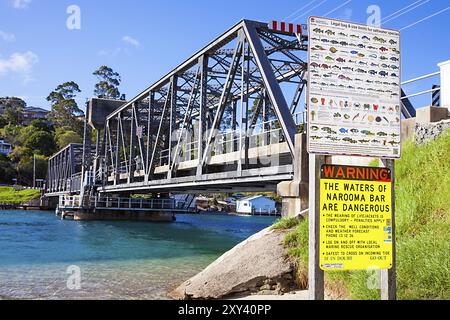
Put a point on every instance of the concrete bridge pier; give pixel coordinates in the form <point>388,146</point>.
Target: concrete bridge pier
<point>295,193</point>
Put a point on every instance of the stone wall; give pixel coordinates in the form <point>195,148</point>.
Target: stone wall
<point>425,132</point>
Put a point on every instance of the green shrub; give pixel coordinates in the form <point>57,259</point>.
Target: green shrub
<point>285,223</point>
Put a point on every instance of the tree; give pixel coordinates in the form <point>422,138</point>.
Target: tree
<point>108,85</point>
<point>65,111</point>
<point>67,137</point>
<point>11,133</point>
<point>41,142</point>
<point>20,153</point>
<point>7,172</point>
<point>14,107</point>
<point>41,125</point>
<point>25,169</point>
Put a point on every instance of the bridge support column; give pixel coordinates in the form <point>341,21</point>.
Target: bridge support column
<point>295,200</point>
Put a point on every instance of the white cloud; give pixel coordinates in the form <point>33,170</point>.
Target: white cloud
<point>114,53</point>
<point>8,37</point>
<point>120,50</point>
<point>131,41</point>
<point>21,4</point>
<point>20,64</point>
<point>102,53</point>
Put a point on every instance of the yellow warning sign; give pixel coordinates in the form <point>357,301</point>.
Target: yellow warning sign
<point>355,218</point>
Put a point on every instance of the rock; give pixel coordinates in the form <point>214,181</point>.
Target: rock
<point>256,265</point>
<point>266,287</point>
<point>426,132</point>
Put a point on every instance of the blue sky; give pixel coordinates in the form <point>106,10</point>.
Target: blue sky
<point>143,40</point>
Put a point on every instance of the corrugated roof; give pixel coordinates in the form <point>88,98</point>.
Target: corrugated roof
<point>36,109</point>
<point>250,198</point>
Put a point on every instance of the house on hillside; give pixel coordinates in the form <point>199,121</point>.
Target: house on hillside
<point>256,205</point>
<point>5,147</point>
<point>34,113</point>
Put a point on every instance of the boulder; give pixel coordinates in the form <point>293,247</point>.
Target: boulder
<point>258,265</point>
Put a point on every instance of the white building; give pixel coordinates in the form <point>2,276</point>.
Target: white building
<point>256,205</point>
<point>5,148</point>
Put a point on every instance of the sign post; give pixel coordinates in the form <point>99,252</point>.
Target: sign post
<point>354,109</point>
<point>315,274</point>
<point>388,279</point>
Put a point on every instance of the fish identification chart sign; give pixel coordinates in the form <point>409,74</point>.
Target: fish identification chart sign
<point>355,218</point>
<point>353,89</point>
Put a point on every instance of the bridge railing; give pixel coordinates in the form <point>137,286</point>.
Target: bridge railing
<point>105,202</point>
<point>262,134</point>
<point>70,201</point>
<point>300,117</point>
<point>131,203</point>
<point>74,183</point>
<point>420,82</point>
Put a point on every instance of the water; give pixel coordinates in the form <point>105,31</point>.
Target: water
<point>117,260</point>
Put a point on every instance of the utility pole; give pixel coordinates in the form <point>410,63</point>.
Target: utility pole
<point>34,171</point>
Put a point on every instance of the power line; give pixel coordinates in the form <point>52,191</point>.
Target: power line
<point>396,17</point>
<point>426,18</point>
<point>298,10</point>
<point>309,10</point>
<point>337,8</point>
<point>406,7</point>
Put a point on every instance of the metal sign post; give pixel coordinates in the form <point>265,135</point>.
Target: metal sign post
<point>388,281</point>
<point>315,274</point>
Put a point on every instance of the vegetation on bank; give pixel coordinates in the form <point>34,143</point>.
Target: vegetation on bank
<point>422,218</point>
<point>8,195</point>
<point>35,142</point>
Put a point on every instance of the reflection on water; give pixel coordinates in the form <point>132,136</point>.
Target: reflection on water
<point>118,260</point>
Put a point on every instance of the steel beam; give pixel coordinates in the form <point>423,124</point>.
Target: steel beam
<point>224,98</point>
<point>272,87</point>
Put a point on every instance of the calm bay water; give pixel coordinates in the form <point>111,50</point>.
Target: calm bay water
<point>118,260</point>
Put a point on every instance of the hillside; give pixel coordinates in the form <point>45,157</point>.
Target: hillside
<point>10,196</point>
<point>423,238</point>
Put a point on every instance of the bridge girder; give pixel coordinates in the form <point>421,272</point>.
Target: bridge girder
<point>210,106</point>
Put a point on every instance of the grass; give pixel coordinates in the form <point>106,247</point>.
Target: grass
<point>423,239</point>
<point>10,196</point>
<point>285,223</point>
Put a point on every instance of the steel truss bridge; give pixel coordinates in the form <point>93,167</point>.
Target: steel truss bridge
<point>224,120</point>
